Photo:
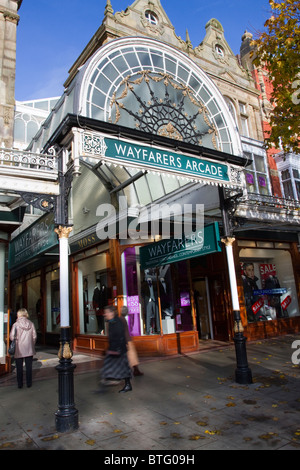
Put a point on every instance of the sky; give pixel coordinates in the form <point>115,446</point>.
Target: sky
<point>52,33</point>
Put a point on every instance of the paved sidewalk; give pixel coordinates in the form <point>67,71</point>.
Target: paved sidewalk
<point>187,403</point>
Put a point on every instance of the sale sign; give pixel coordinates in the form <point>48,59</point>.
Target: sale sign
<point>286,302</point>
<point>266,270</point>
<point>257,305</point>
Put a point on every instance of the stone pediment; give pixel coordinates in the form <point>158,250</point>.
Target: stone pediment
<point>226,75</point>
<point>147,18</point>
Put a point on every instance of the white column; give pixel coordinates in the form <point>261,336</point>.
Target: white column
<point>63,234</point>
<point>228,241</point>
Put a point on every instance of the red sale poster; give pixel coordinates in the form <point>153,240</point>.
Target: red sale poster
<point>267,271</point>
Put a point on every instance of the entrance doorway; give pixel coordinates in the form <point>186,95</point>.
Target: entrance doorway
<point>218,308</point>
<point>203,308</point>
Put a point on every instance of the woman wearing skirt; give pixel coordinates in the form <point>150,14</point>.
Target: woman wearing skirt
<point>116,366</point>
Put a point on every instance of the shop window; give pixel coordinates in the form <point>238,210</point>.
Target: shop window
<point>53,302</point>
<point>269,285</point>
<point>158,299</point>
<point>94,294</point>
<point>34,302</point>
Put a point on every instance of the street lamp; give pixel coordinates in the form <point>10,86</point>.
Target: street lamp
<point>66,418</point>
<point>243,374</point>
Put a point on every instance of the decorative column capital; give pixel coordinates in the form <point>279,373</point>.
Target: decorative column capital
<point>228,241</point>
<point>63,231</point>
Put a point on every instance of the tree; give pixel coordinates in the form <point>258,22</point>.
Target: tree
<point>278,51</point>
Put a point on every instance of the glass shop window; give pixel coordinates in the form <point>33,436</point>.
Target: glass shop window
<point>269,284</point>
<point>17,301</point>
<point>53,302</point>
<point>34,306</point>
<point>158,299</point>
<point>94,294</point>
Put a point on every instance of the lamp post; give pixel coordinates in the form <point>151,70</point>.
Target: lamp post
<point>243,374</point>
<point>66,418</point>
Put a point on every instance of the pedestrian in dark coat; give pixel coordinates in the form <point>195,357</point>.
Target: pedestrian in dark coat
<point>116,366</point>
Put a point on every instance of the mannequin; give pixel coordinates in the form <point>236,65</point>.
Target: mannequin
<point>85,304</point>
<point>98,306</point>
<point>149,293</point>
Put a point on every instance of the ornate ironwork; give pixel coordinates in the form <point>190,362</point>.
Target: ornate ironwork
<point>161,114</point>
<point>44,202</point>
<point>19,159</point>
<point>270,201</point>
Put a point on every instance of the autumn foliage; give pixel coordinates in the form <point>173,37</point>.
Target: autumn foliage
<point>278,50</point>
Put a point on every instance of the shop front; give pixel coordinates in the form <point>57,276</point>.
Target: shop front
<point>34,278</point>
<point>268,279</point>
<point>154,280</point>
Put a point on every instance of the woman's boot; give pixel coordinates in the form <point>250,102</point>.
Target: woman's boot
<point>127,387</point>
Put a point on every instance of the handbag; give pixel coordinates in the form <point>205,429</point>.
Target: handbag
<point>12,347</point>
<point>113,353</point>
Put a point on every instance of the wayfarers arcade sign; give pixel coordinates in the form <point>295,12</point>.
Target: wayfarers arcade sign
<point>122,152</point>
<point>199,243</point>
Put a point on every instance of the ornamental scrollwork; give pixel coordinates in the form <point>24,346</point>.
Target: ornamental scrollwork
<point>172,112</point>
<point>93,144</point>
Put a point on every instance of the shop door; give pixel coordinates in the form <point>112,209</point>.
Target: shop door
<point>218,308</point>
<point>202,303</point>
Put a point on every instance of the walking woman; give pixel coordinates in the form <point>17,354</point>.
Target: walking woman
<point>116,365</point>
<point>24,331</point>
<point>131,350</point>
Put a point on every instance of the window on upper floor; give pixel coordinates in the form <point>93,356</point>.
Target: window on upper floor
<point>244,119</point>
<point>257,179</point>
<point>290,179</point>
<point>231,108</point>
<point>151,17</point>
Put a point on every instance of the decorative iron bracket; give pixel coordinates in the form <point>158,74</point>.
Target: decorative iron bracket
<point>56,204</point>
<point>44,202</point>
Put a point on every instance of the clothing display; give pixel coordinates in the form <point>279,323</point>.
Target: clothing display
<point>99,302</point>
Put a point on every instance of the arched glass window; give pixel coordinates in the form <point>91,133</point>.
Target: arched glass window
<point>144,84</point>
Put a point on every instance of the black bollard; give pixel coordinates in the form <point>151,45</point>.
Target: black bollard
<point>243,374</point>
<point>66,418</point>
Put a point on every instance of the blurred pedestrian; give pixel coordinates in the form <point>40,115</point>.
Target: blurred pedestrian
<point>116,366</point>
<point>131,350</point>
<point>25,333</point>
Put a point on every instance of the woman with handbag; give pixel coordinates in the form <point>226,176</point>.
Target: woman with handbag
<point>24,333</point>
<point>131,350</point>
<point>116,366</point>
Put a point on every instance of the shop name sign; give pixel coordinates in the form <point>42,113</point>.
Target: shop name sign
<point>120,152</point>
<point>199,243</point>
<point>37,239</point>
